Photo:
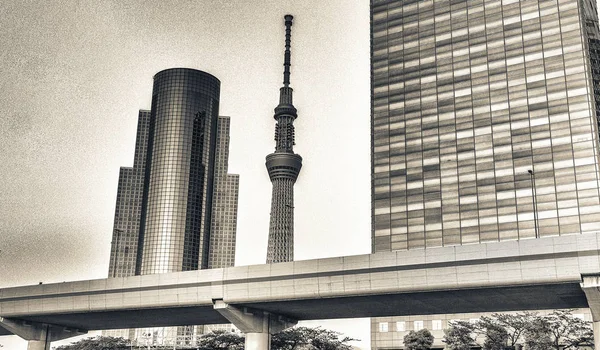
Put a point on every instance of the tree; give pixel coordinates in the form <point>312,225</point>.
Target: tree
<point>329,340</point>
<point>292,338</point>
<point>558,330</point>
<point>459,336</point>
<point>220,339</point>
<point>581,334</point>
<point>495,334</point>
<point>309,338</point>
<point>419,340</point>
<point>503,331</point>
<point>297,338</point>
<point>567,331</point>
<point>98,343</point>
<point>537,334</point>
<point>515,325</point>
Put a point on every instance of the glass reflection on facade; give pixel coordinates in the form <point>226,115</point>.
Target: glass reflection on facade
<point>484,123</point>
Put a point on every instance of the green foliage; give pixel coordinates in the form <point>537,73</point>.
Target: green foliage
<point>221,340</point>
<point>292,338</point>
<point>324,339</point>
<point>495,334</point>
<point>420,340</point>
<point>514,324</point>
<point>581,334</point>
<point>459,336</point>
<point>297,338</point>
<point>559,330</point>
<point>98,343</point>
<point>537,335</point>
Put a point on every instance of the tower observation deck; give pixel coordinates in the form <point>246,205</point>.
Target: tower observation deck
<point>283,166</point>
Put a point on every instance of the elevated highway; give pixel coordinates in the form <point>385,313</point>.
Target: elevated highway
<point>545,273</point>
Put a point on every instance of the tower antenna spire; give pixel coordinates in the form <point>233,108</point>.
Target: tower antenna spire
<point>288,54</point>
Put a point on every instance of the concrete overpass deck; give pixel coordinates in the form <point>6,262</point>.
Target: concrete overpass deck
<point>500,276</point>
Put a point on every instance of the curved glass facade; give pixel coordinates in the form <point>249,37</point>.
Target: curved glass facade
<point>178,196</point>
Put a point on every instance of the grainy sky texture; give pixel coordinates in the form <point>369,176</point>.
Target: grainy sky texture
<point>75,73</point>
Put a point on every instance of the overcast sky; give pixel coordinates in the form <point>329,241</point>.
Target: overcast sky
<point>75,73</point>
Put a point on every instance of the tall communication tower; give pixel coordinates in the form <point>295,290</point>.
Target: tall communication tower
<point>283,166</point>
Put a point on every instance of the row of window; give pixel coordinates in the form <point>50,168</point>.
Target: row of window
<point>427,41</point>
<point>163,89</point>
<point>461,26</point>
<point>550,90</point>
<point>443,6</point>
<point>401,326</point>
<point>436,325</point>
<point>485,47</point>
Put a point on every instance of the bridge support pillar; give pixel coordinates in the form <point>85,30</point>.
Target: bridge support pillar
<point>38,335</point>
<point>258,341</point>
<point>591,287</point>
<point>596,335</point>
<point>38,345</point>
<point>256,324</point>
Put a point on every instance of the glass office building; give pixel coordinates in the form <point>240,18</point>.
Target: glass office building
<point>176,207</point>
<point>225,203</point>
<point>484,122</point>
<point>178,197</point>
<point>128,209</point>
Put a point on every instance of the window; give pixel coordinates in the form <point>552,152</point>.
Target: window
<point>383,327</point>
<point>401,326</point>
<point>418,325</point>
<point>436,325</point>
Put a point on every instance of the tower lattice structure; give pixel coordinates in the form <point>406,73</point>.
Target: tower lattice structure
<point>283,166</point>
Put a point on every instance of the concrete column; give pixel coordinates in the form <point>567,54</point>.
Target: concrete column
<point>256,324</point>
<point>258,341</point>
<point>38,345</point>
<point>591,287</point>
<point>596,335</point>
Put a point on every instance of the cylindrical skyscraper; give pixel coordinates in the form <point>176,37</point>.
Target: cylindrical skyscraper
<point>283,166</point>
<point>180,166</point>
<point>176,208</point>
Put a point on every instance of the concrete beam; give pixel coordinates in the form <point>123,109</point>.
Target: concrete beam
<point>39,335</point>
<point>256,324</point>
